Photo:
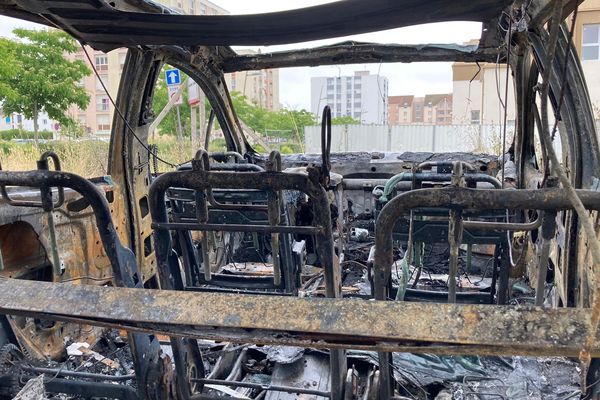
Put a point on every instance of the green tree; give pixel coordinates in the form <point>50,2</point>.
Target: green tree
<point>168,126</point>
<point>286,123</point>
<point>36,77</point>
<point>345,120</point>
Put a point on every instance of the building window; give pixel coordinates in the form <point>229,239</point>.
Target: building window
<point>103,122</point>
<point>102,103</point>
<point>590,49</point>
<point>102,63</point>
<point>99,82</point>
<point>475,117</point>
<point>81,119</point>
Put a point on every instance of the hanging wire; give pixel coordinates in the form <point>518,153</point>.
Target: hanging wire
<point>505,104</point>
<point>121,115</point>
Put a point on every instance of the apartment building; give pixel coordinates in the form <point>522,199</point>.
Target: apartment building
<point>362,96</point>
<point>260,87</point>
<point>400,110</point>
<point>478,91</point>
<point>97,117</point>
<point>433,109</point>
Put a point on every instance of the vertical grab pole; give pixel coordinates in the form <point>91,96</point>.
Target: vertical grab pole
<point>201,162</point>
<point>274,210</point>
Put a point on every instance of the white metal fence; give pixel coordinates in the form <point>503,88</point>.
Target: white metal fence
<point>399,138</point>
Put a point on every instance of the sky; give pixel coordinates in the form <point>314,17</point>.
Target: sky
<point>294,86</point>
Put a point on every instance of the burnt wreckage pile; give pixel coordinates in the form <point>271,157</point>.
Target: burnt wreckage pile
<point>342,276</point>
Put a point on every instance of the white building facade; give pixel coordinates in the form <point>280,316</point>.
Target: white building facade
<point>362,96</point>
<point>18,121</point>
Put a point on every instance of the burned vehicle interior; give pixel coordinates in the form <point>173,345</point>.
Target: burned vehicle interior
<point>343,276</point>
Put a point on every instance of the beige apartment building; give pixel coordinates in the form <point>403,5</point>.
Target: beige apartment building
<point>477,91</point>
<point>433,109</point>
<point>261,87</point>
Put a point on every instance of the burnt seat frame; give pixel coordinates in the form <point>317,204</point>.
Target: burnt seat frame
<point>457,199</point>
<point>145,347</point>
<point>201,180</point>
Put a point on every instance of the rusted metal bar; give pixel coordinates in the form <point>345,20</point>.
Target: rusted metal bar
<point>301,230</point>
<point>357,52</point>
<point>455,233</point>
<point>202,211</point>
<point>42,165</point>
<point>504,226</point>
<point>274,212</point>
<point>315,322</point>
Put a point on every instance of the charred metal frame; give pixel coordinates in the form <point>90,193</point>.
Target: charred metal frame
<point>201,180</point>
<point>456,199</point>
<point>146,349</point>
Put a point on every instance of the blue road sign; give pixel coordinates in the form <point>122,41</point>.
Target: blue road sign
<point>173,77</point>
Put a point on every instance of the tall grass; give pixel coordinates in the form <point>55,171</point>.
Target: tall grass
<point>89,158</point>
<point>85,158</point>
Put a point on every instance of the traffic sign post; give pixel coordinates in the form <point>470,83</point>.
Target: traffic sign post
<point>173,77</point>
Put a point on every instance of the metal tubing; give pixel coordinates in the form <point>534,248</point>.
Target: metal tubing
<point>272,388</point>
<point>56,270</point>
<point>435,177</point>
<point>90,389</point>
<point>455,233</point>
<point>274,213</point>
<point>184,226</point>
<point>469,255</point>
<point>78,374</point>
<point>504,226</point>
<point>245,167</point>
<point>202,212</point>
<point>42,164</point>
